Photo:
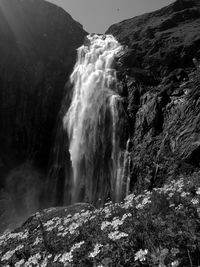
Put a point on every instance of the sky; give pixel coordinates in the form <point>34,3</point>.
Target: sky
<point>97,15</point>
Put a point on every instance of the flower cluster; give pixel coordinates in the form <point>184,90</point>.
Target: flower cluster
<point>95,251</point>
<point>10,253</point>
<point>141,255</point>
<point>68,256</point>
<point>148,220</point>
<point>116,235</point>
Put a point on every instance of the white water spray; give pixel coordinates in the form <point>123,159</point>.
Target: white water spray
<point>93,122</point>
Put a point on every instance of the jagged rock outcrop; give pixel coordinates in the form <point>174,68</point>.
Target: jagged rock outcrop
<point>161,83</point>
<point>38,43</point>
<point>165,140</point>
<point>161,41</point>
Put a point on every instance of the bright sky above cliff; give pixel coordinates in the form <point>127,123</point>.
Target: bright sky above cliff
<point>97,15</point>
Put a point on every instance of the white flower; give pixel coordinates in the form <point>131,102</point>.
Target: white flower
<point>44,262</point>
<point>117,235</point>
<point>129,197</point>
<point>77,245</point>
<point>107,211</point>
<point>175,263</point>
<point>19,263</point>
<point>66,257</point>
<point>8,235</point>
<point>198,191</point>
<point>56,257</point>
<point>141,255</point>
<point>10,253</point>
<point>128,201</point>
<point>33,260</point>
<point>116,222</point>
<point>145,201</point>
<point>37,241</point>
<point>195,201</point>
<point>95,251</point>
<point>105,224</point>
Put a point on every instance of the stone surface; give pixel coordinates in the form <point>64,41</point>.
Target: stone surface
<point>161,81</point>
<point>163,40</point>
<point>165,142</point>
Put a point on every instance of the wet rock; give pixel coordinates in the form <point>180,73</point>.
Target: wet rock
<point>176,76</point>
<point>142,76</point>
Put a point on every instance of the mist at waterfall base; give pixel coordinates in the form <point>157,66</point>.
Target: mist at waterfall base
<point>21,196</point>
<point>96,125</point>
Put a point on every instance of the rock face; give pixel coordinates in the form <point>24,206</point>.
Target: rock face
<point>163,40</point>
<point>38,43</point>
<point>165,138</point>
<point>161,82</point>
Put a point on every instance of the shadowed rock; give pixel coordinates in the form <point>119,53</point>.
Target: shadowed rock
<point>38,43</point>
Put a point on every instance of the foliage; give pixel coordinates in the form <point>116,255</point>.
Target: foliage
<point>157,228</point>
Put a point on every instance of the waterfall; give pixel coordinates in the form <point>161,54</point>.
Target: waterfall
<point>95,123</point>
<point>127,167</point>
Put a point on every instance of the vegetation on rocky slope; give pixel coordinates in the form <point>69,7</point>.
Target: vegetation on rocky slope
<point>155,228</point>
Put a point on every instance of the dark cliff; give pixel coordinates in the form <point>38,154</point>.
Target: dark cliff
<point>38,49</point>
<point>162,40</point>
<point>38,43</point>
<point>160,75</point>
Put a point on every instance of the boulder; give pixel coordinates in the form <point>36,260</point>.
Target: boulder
<point>42,237</point>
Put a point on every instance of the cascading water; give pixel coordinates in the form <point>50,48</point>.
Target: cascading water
<point>127,167</point>
<point>95,123</point>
